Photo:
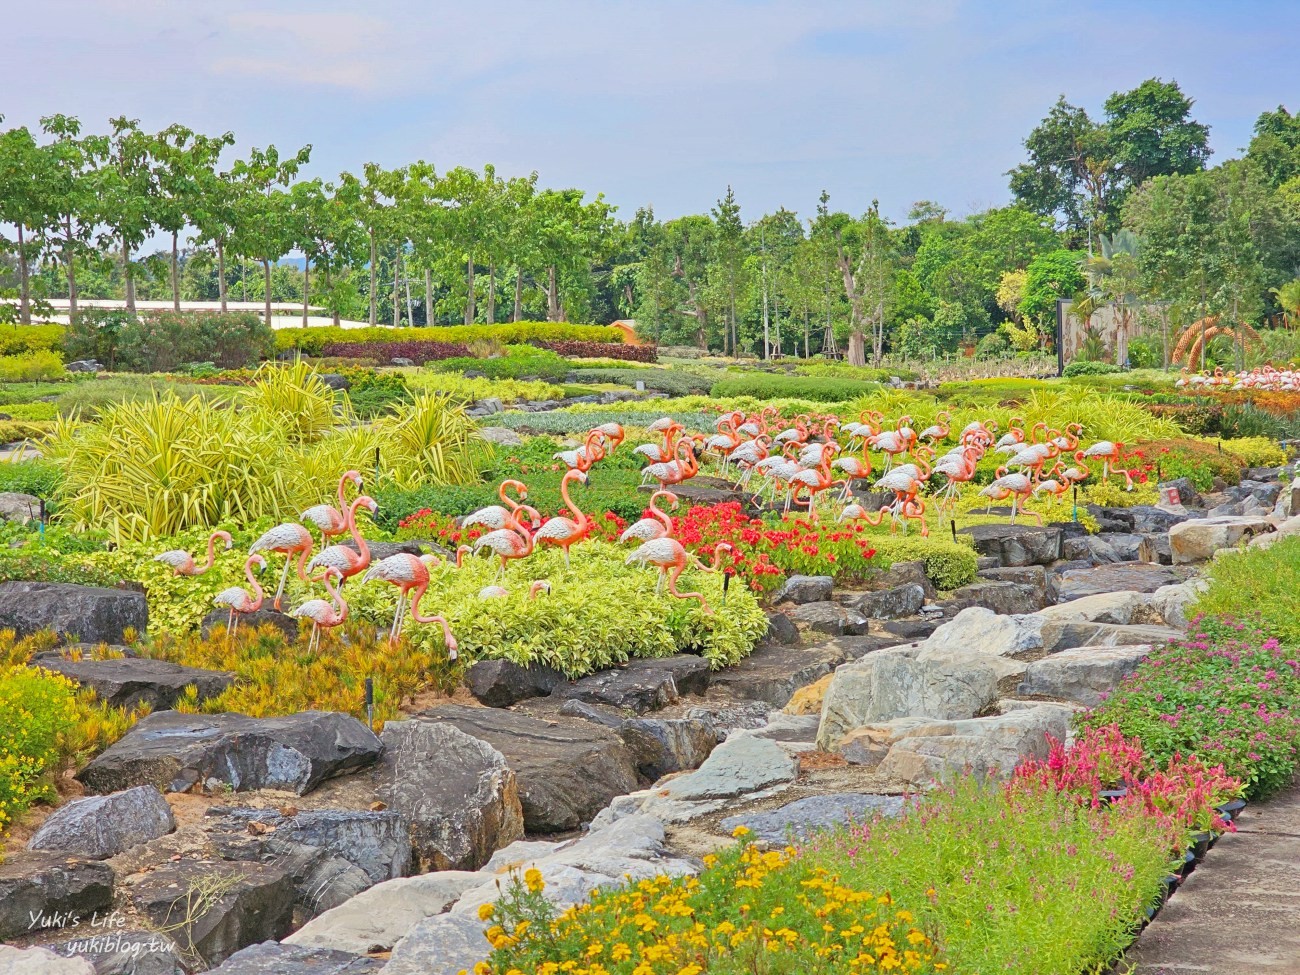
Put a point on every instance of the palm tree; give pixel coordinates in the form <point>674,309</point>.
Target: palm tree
<point>1113,279</point>
<point>1288,296</point>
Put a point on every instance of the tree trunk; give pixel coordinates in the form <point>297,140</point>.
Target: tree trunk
<point>221,273</point>
<point>306,288</point>
<point>470,308</point>
<point>767,329</point>
<point>428,297</point>
<point>266,298</point>
<point>857,354</point>
<point>807,336</point>
<point>552,296</point>
<point>518,313</point>
<point>72,273</point>
<point>878,336</point>
<point>374,268</point>
<point>126,272</point>
<point>397,288</point>
<point>176,281</point>
<point>492,294</point>
<point>24,292</point>
<point>329,290</point>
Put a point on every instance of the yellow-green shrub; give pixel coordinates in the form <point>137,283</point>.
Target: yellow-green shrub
<point>17,339</point>
<point>31,367</point>
<point>1256,451</point>
<point>312,340</point>
<point>466,390</point>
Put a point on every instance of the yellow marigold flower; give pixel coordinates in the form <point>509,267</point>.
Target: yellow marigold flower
<point>485,911</point>
<point>482,968</point>
<point>710,859</point>
<point>691,969</point>
<point>740,831</point>
<point>620,952</point>
<point>533,880</point>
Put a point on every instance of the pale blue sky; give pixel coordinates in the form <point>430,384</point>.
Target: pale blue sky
<point>662,102</point>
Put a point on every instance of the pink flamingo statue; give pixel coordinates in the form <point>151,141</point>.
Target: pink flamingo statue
<point>182,563</point>
<point>330,520</point>
<point>1110,455</point>
<point>324,613</point>
<point>495,516</point>
<point>410,574</point>
<point>288,539</point>
<point>613,431</point>
<point>500,592</point>
<point>658,525</point>
<point>347,560</point>
<point>240,600</point>
<point>592,450</point>
<point>506,544</point>
<point>671,557</point>
<point>563,531</point>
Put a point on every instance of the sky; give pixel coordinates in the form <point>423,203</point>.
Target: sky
<point>654,102</point>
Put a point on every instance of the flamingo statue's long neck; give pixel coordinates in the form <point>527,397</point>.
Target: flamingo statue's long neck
<point>357,537</point>
<point>258,595</point>
<point>212,552</point>
<point>578,516</point>
<point>663,518</point>
<point>355,478</point>
<point>340,606</point>
<point>519,488</point>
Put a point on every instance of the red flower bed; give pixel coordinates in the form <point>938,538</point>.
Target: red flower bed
<point>574,349</point>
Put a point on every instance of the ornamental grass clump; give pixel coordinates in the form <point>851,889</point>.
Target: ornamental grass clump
<point>751,912</point>
<point>1227,695</point>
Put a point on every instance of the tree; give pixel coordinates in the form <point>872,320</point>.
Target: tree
<point>1049,277</point>
<point>1152,133</point>
<point>181,158</point>
<point>864,257</point>
<point>25,202</point>
<point>1114,278</point>
<point>729,243</point>
<point>264,228</point>
<point>370,201</point>
<point>73,195</point>
<point>126,188</point>
<point>1275,146</point>
<point>328,236</point>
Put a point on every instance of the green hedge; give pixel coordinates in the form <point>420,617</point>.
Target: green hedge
<point>17,339</point>
<point>816,388</point>
<point>674,382</point>
<point>310,341</point>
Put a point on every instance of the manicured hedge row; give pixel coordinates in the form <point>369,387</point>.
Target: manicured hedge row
<point>311,341</point>
<point>417,351</point>
<point>17,339</point>
<point>818,389</point>
<point>576,349</point>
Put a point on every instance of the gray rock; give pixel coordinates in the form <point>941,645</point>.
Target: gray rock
<point>905,574</point>
<point>98,827</point>
<point>740,765</point>
<point>830,618</point>
<point>175,751</point>
<point>272,958</point>
<point>1195,541</point>
<point>805,589</point>
<point>335,381</point>
<point>729,716</point>
<point>1123,607</point>
<point>21,508</point>
<point>40,961</point>
<point>502,436</point>
<point>641,685</point>
<point>1084,675</point>
<point>52,887</point>
<point>399,360</point>
<point>772,674</point>
<point>984,631</point>
<point>501,683</point>
<point>127,682</point>
<point>1127,546</point>
<point>1156,548</point>
<point>1266,493</point>
<point>442,945</point>
<point>266,616</point>
<point>781,630</point>
<point>566,770</point>
<point>1120,577</point>
<point>798,821</point>
<point>122,952</point>
<point>1149,519</point>
<point>1187,493</point>
<point>84,365</point>
<point>1017,544</point>
<point>1033,576</point>
<point>1093,549</point>
<point>663,745</point>
<point>910,631</point>
<point>1005,598</point>
<point>378,918</point>
<point>601,714</point>
<point>455,791</point>
<point>891,604</point>
<point>72,612</point>
<point>1061,635</point>
<point>214,909</point>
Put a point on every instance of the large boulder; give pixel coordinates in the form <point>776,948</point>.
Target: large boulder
<point>214,909</point>
<point>272,958</point>
<point>660,746</point>
<point>1174,603</point>
<point>798,821</point>
<point>40,891</point>
<point>830,618</point>
<point>1120,577</point>
<point>18,507</point>
<point>1121,607</point>
<point>1196,541</point>
<point>641,685</point>
<point>501,683</point>
<point>566,770</point>
<point>893,603</point>
<point>378,918</point>
<point>176,751</point>
<point>908,682</point>
<point>805,589</point>
<point>1015,545</point>
<point>444,944</point>
<point>72,612</point>
<point>116,952</point>
<point>1083,675</point>
<point>40,961</point>
<point>456,792</point>
<point>266,616</point>
<point>980,630</point>
<point>127,682</point>
<point>740,765</point>
<point>1059,635</point>
<point>98,827</point>
<point>913,753</point>
<point>1005,598</point>
<point>772,674</point>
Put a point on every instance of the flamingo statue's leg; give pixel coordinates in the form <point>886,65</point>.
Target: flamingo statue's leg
<point>284,577</point>
<point>672,588</point>
<point>1038,516</point>
<point>397,615</point>
<point>659,582</point>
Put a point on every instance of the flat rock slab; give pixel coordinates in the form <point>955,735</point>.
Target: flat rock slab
<point>1236,912</point>
<point>123,952</point>
<point>642,685</point>
<point>1014,545</point>
<point>272,958</point>
<point>1195,541</point>
<point>217,908</point>
<point>566,769</point>
<point>1058,636</point>
<point>1084,675</point>
<point>799,820</point>
<point>740,765</point>
<point>87,613</point>
<point>99,827</point>
<point>442,945</point>
<point>773,674</point>
<point>127,682</point>
<point>1118,577</point>
<point>52,887</point>
<point>1001,596</point>
<point>40,961</point>
<point>501,683</point>
<point>175,751</point>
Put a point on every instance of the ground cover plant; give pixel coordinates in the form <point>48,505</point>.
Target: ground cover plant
<point>767,386</point>
<point>512,362</point>
<point>319,341</point>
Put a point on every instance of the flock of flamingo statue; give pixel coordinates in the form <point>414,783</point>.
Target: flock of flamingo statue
<point>802,463</point>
